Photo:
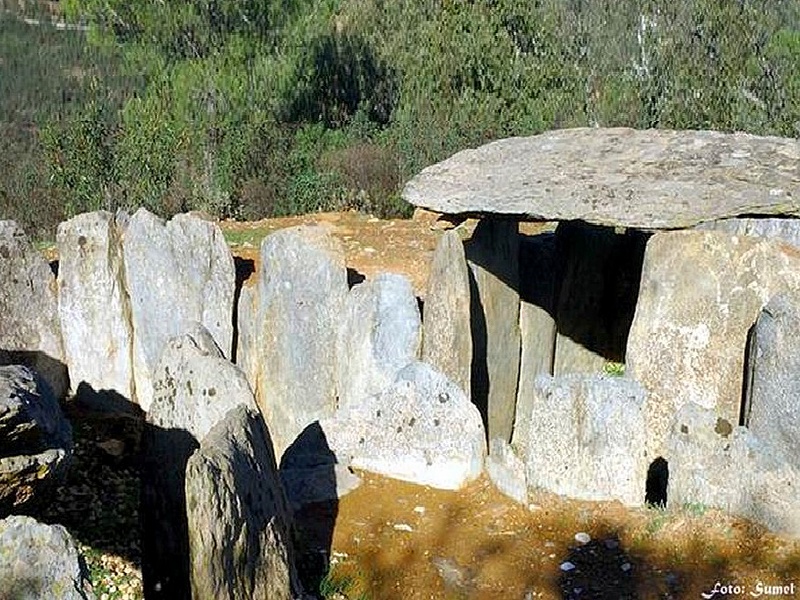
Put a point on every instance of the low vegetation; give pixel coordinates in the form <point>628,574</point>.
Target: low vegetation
<point>262,108</point>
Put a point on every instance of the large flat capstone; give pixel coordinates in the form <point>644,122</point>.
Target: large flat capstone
<point>653,179</point>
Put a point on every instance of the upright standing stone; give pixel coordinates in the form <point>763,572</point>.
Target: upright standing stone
<point>195,387</point>
<point>299,302</point>
<point>716,463</point>
<point>586,438</point>
<point>93,303</point>
<point>493,255</point>
<point>446,334</point>
<point>537,323</point>
<point>701,292</point>
<point>599,278</point>
<point>240,544</point>
<point>772,406</point>
<point>30,332</point>
<point>177,273</point>
<point>379,334</point>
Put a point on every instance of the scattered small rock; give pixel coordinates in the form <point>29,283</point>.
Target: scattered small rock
<point>583,538</point>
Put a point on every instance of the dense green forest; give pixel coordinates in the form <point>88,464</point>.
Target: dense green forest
<point>252,108</point>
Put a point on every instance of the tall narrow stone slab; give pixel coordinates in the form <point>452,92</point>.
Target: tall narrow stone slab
<point>493,258</point>
<point>446,337</point>
<point>30,331</point>
<point>599,278</point>
<point>239,525</point>
<point>195,387</point>
<point>379,334</point>
<point>716,463</point>
<point>537,322</point>
<point>772,406</point>
<point>586,437</point>
<point>176,273</point>
<point>93,304</point>
<point>701,293</point>
<point>299,301</point>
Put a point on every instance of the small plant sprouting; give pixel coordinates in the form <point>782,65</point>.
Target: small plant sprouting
<point>614,369</point>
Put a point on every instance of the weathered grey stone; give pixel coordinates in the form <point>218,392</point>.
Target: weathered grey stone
<point>30,332</point>
<point>507,471</point>
<point>446,335</point>
<point>776,229</point>
<point>93,304</point>
<point>421,429</point>
<point>246,354</point>
<point>195,387</point>
<point>653,179</point>
<point>35,439</point>
<point>493,257</point>
<point>700,294</point>
<point>537,323</point>
<point>599,278</point>
<point>771,410</point>
<point>299,300</point>
<point>240,543</point>
<point>716,463</point>
<point>176,273</point>
<point>586,438</point>
<point>379,334</point>
<point>40,561</point>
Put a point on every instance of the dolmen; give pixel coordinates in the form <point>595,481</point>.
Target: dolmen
<point>672,258</point>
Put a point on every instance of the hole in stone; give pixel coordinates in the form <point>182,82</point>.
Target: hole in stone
<point>747,377</point>
<point>657,481</point>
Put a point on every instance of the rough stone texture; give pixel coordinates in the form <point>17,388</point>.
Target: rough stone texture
<point>586,438</point>
<point>240,543</point>
<point>195,387</point>
<point>379,334</point>
<point>421,429</point>
<point>93,304</point>
<point>299,302</point>
<point>40,561</point>
<point>771,409</point>
<point>507,471</point>
<point>446,335</point>
<point>716,463</point>
<point>246,354</point>
<point>654,179</point>
<point>700,294</point>
<point>493,258</point>
<point>598,285</point>
<point>776,229</point>
<point>176,273</point>
<point>537,323</point>
<point>35,440</point>
<point>30,332</point>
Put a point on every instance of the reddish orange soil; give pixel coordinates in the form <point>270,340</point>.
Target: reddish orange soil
<point>393,540</point>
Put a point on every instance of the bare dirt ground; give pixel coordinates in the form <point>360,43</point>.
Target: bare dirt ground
<point>371,245</point>
<point>393,540</point>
